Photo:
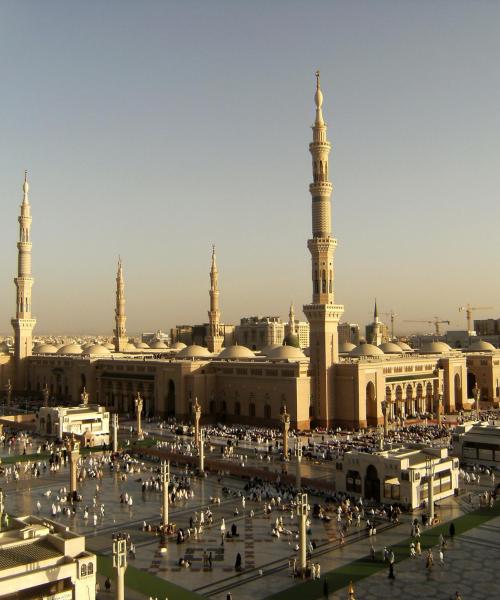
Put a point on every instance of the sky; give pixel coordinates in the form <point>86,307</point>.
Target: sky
<point>153,129</point>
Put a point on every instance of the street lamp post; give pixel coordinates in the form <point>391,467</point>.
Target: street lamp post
<point>197,417</point>
<point>302,511</point>
<point>439,408</point>
<point>165,479</point>
<point>298,456</point>
<point>285,421</point>
<point>138,409</point>
<point>115,432</point>
<point>120,564</point>
<point>73,448</point>
<point>201,451</point>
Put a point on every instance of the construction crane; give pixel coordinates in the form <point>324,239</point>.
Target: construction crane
<point>392,315</point>
<point>436,322</point>
<point>468,313</point>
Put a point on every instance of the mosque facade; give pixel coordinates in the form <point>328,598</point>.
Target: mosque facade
<point>328,384</point>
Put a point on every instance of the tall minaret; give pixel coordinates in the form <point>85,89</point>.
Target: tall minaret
<point>23,323</point>
<point>323,315</point>
<point>120,340</point>
<point>376,327</point>
<point>214,337</point>
<point>291,320</point>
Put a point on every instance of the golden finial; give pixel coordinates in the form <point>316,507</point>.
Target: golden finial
<point>318,96</point>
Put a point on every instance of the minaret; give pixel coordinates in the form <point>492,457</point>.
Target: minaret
<point>291,320</point>
<point>214,337</point>
<point>23,323</point>
<point>323,315</point>
<point>120,340</point>
<point>376,328</point>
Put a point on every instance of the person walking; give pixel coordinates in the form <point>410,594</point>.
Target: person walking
<point>452,529</point>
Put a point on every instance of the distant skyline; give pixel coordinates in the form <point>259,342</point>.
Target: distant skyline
<point>152,130</point>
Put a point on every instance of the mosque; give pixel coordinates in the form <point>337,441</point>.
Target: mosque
<point>329,384</point>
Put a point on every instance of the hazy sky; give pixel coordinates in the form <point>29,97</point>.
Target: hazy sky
<point>153,129</point>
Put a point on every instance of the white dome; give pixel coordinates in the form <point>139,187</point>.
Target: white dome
<point>4,349</point>
<point>194,351</point>
<point>142,346</point>
<point>391,348</point>
<point>481,346</point>
<point>404,346</point>
<point>265,351</point>
<point>129,348</point>
<point>178,346</point>
<point>70,349</point>
<point>366,350</point>
<point>88,345</point>
<point>346,347</point>
<point>286,352</point>
<point>45,349</point>
<point>158,345</point>
<point>109,346</point>
<point>236,352</point>
<point>434,348</point>
<point>97,349</point>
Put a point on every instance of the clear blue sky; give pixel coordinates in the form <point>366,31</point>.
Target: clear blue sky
<point>152,129</point>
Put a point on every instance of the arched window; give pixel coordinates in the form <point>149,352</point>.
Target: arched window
<point>316,282</point>
<point>237,409</point>
<point>83,570</point>
<point>251,410</point>
<point>323,281</point>
<point>212,407</point>
<point>90,569</point>
<point>267,411</point>
<point>330,283</point>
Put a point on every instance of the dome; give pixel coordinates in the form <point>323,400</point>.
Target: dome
<point>236,352</point>
<point>158,345</point>
<point>97,349</point>
<point>4,349</point>
<point>109,346</point>
<point>87,345</point>
<point>267,349</point>
<point>45,349</point>
<point>194,351</point>
<point>404,346</point>
<point>291,339</point>
<point>391,348</point>
<point>178,346</point>
<point>142,346</point>
<point>481,346</point>
<point>70,349</point>
<point>346,347</point>
<point>285,352</point>
<point>434,348</point>
<point>366,350</point>
<point>129,348</point>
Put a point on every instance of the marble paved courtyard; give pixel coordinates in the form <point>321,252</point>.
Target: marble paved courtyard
<point>469,561</point>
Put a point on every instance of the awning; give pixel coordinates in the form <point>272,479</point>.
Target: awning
<point>392,481</point>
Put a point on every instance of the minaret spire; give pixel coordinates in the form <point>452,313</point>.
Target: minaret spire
<point>375,312</point>
<point>120,340</point>
<point>214,337</point>
<point>291,319</point>
<point>323,315</point>
<point>23,323</point>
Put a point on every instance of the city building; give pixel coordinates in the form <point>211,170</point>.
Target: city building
<point>89,422</point>
<point>477,443</point>
<point>398,476</point>
<point>349,334</point>
<point>40,558</point>
<point>258,333</point>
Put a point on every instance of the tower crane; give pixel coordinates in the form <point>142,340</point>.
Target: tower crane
<point>436,322</point>
<point>468,313</point>
<point>392,315</point>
